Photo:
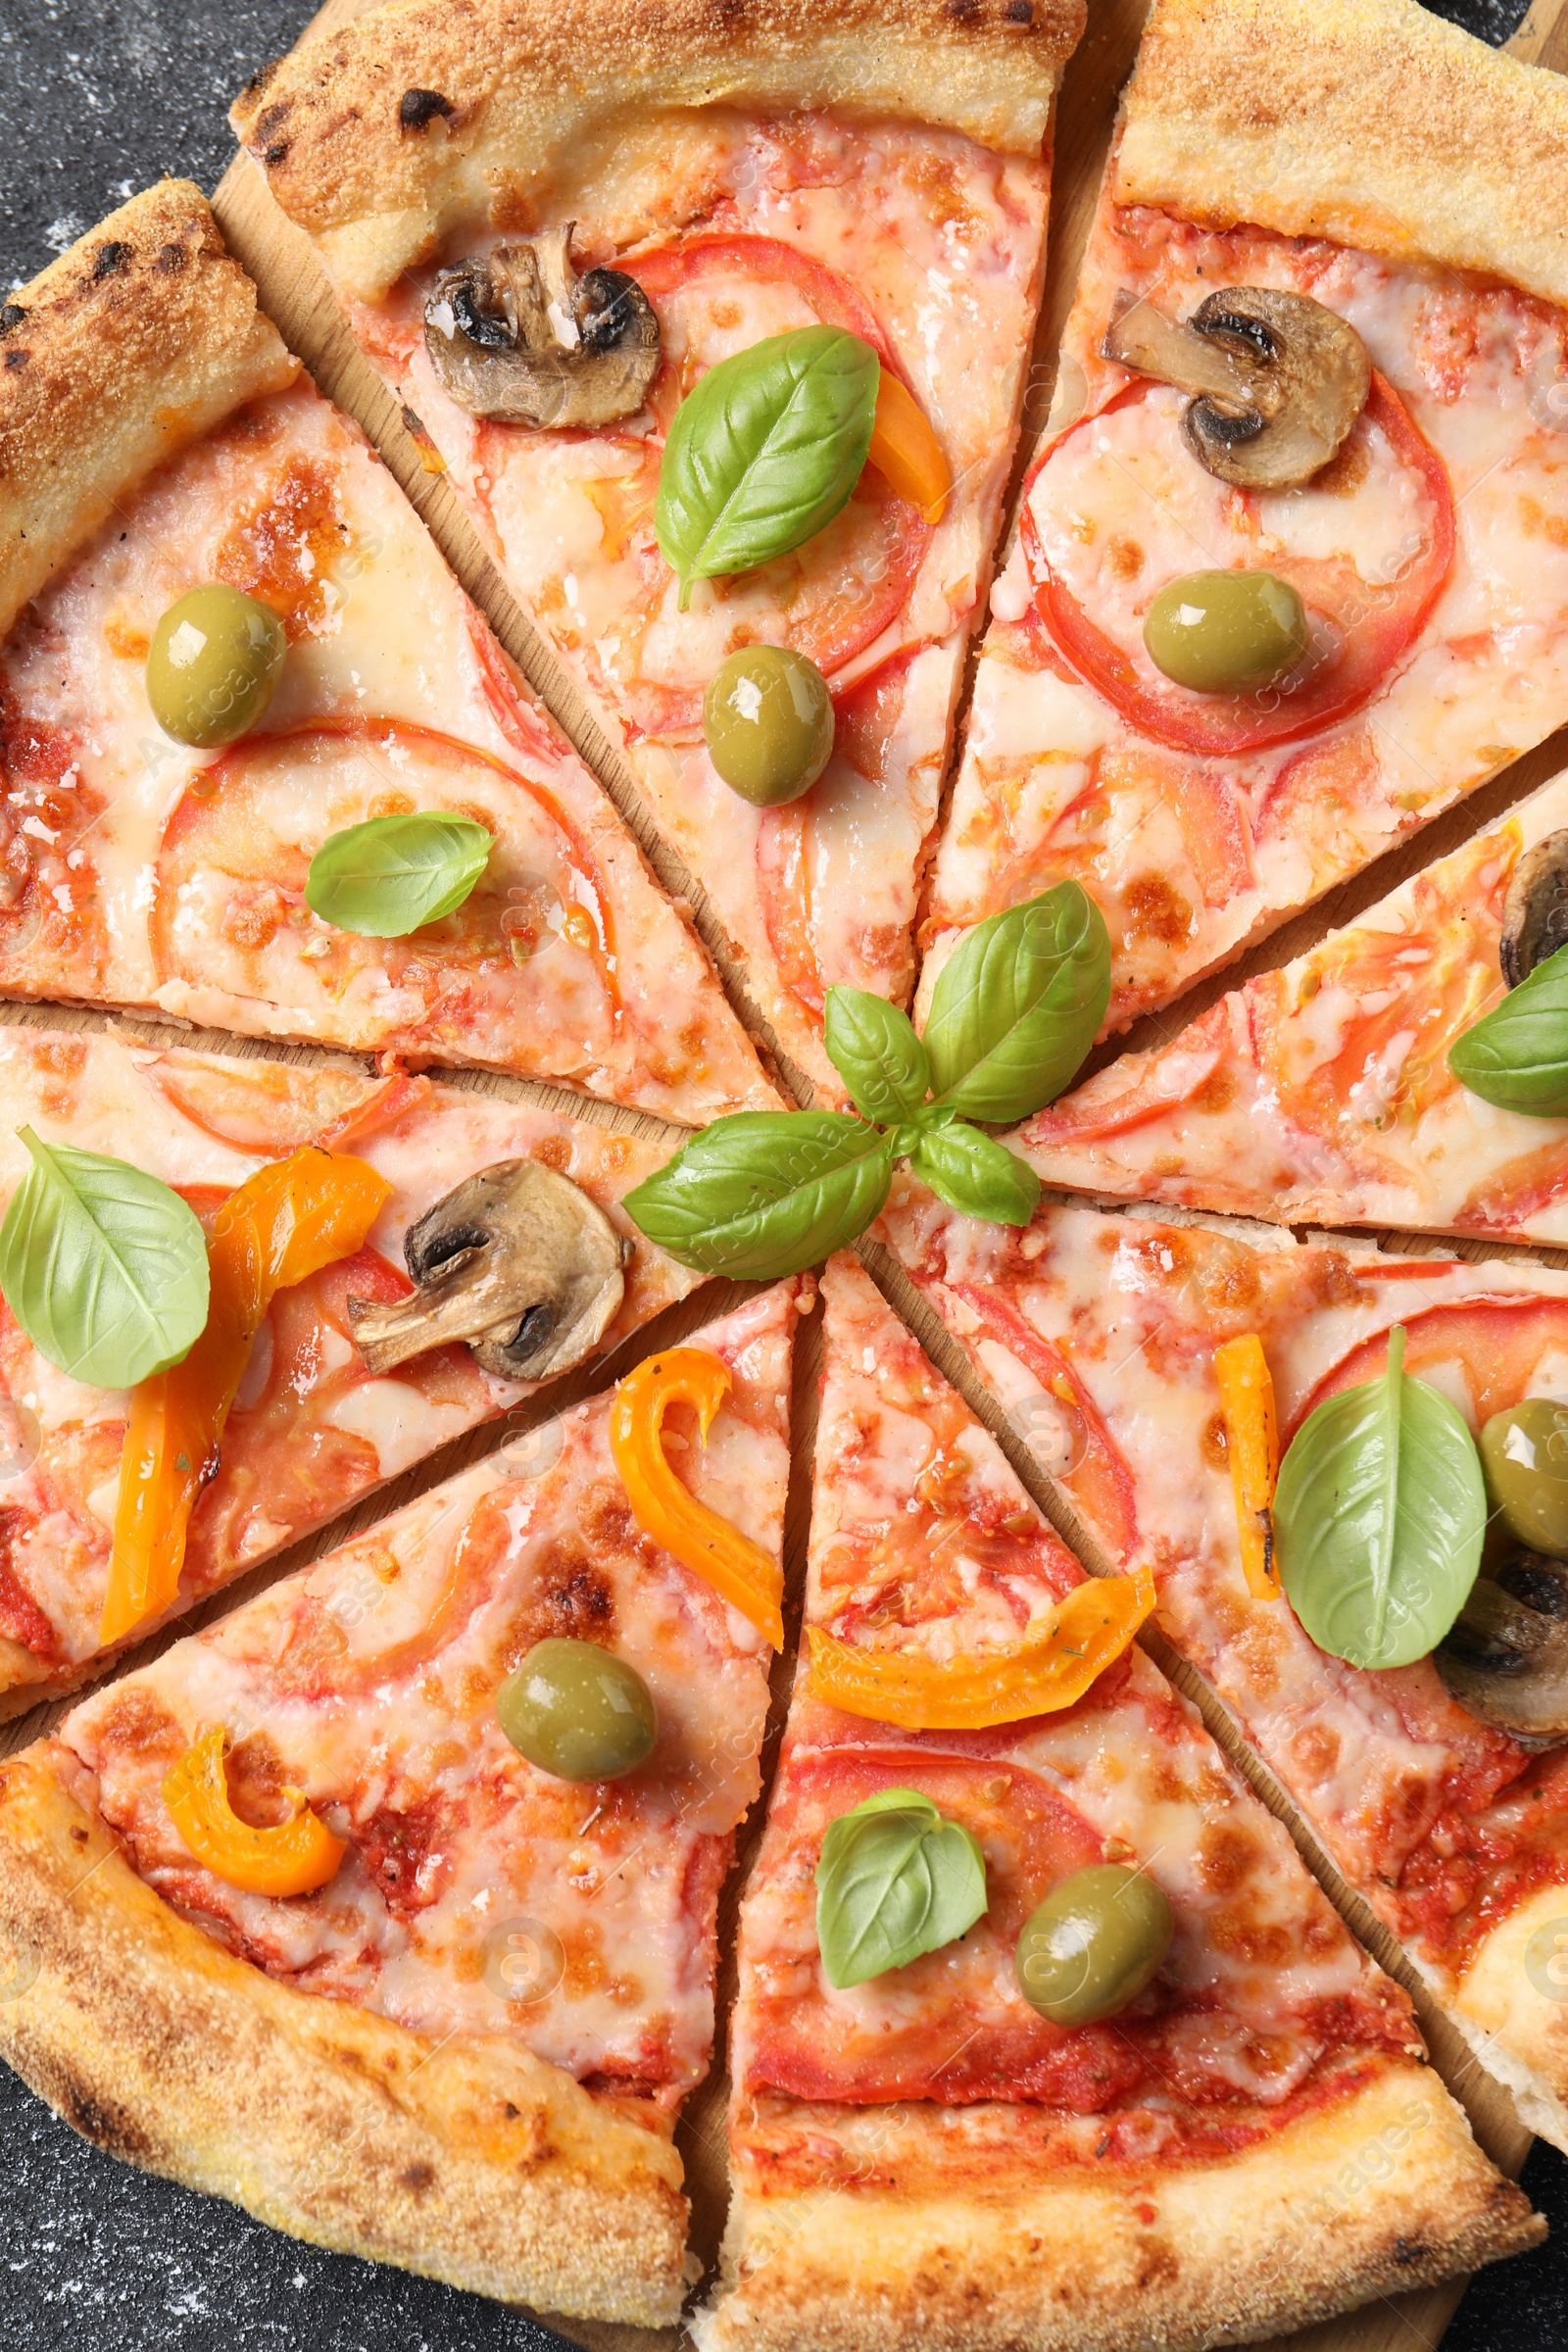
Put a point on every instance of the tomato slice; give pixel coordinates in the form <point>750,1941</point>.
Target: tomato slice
<point>1375,621</point>
<point>1521,1190</point>
<point>1138,1086</point>
<point>1495,1342</point>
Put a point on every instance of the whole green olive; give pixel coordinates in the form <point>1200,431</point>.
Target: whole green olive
<point>767,722</point>
<point>1524,1452</point>
<point>214,663</point>
<point>1221,632</point>
<point>1093,1943</point>
<point>578,1711</point>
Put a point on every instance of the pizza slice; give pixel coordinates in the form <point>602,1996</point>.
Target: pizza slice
<point>386,1907</point>
<point>546,272</point>
<point>1292,562</point>
<point>1043,2036</point>
<point>263,766</point>
<point>345,1370</point>
<point>1439,1783</point>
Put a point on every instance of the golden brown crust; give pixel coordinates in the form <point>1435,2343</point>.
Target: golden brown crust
<point>504,94</point>
<point>470,2160</point>
<point>1512,2004</point>
<point>1370,121</point>
<point>140,337</point>
<point>1379,2192</point>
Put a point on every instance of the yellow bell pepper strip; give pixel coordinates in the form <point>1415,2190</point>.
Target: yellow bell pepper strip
<point>905,452</point>
<point>285,1222</point>
<point>293,1858</point>
<point>1247,1395</point>
<point>740,1571</point>
<point>1084,1634</point>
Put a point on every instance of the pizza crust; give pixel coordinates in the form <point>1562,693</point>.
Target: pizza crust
<point>1383,2191</point>
<point>510,91</point>
<point>469,2161</point>
<point>1515,2014</point>
<point>134,343</point>
<point>1370,121</point>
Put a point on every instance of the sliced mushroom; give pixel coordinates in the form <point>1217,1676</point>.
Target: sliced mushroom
<point>519,338</point>
<point>1277,379</point>
<point>518,1261</point>
<point>1506,1658</point>
<point>1535,910</point>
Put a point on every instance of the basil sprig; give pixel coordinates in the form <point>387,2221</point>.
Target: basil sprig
<point>765,452</point>
<point>1517,1054</point>
<point>390,875</point>
<point>895,1879</point>
<point>1379,1514</point>
<point>104,1267</point>
<point>765,1193</point>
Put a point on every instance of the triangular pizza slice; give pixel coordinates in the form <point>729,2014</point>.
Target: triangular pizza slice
<point>1292,557</point>
<point>386,1907</point>
<point>263,766</point>
<point>1207,2122</point>
<point>544,275</point>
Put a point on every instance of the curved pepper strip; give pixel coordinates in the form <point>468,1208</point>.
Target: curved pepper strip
<point>1247,1395</point>
<point>904,450</point>
<point>1085,1632</point>
<point>285,1222</point>
<point>293,1858</point>
<point>740,1571</point>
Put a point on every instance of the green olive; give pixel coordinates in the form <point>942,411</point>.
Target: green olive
<point>215,660</point>
<point>767,723</point>
<point>1093,1943</point>
<point>577,1711</point>
<point>1221,632</point>
<point>1524,1452</point>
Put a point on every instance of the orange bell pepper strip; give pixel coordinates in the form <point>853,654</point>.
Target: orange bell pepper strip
<point>1247,1397</point>
<point>285,1222</point>
<point>740,1571</point>
<point>1084,1634</point>
<point>905,452</point>
<point>300,1854</point>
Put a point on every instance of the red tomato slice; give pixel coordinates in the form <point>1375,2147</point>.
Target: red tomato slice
<point>265,1108</point>
<point>1517,1191</point>
<point>1496,1343</point>
<point>1377,624</point>
<point>1138,1087</point>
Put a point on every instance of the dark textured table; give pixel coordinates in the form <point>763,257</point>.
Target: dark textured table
<point>98,100</point>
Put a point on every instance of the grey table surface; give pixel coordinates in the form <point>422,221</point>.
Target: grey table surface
<point>97,101</point>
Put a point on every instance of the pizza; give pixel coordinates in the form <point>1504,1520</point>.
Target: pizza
<point>878,170</point>
<point>1099,1334</point>
<point>918,2147</point>
<point>147,869</point>
<point>457,1995</point>
<point>1348,648</point>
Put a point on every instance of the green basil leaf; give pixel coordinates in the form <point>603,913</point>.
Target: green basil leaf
<point>1517,1054</point>
<point>765,1193</point>
<point>895,1879</point>
<point>876,1052</point>
<point>1017,1005</point>
<point>1378,1518</point>
<point>388,876</point>
<point>975,1174</point>
<point>103,1266</point>
<point>765,452</point>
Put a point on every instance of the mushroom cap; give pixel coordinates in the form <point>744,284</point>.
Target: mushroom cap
<point>1505,1658</point>
<point>518,337</point>
<point>1534,908</point>
<point>517,1260</point>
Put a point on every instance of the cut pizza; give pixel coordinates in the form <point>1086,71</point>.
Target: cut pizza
<point>1421,1731</point>
<point>729,376</point>
<point>264,767</point>
<point>386,1907</point>
<point>1045,2038</point>
<point>1291,570</point>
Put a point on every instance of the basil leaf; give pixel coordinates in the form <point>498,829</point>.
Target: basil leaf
<point>875,1051</point>
<point>384,878</point>
<point>1517,1054</point>
<point>893,1880</point>
<point>765,452</point>
<point>765,1193</point>
<point>103,1266</point>
<point>1378,1518</point>
<point>1017,1005</point>
<point>975,1174</point>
